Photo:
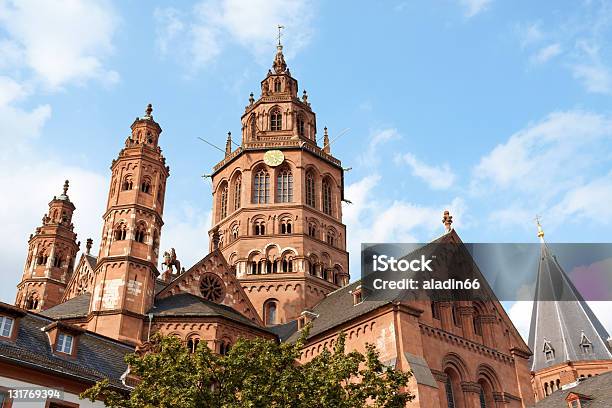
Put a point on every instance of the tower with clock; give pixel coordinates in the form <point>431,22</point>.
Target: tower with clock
<point>277,215</point>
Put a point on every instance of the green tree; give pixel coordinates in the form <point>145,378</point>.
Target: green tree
<point>256,373</point>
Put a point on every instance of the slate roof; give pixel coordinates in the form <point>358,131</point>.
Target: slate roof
<point>188,305</point>
<point>598,388</point>
<point>73,308</point>
<point>97,357</point>
<point>92,260</point>
<point>284,331</point>
<point>562,322</point>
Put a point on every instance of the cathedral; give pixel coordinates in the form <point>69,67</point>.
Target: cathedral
<point>277,261</point>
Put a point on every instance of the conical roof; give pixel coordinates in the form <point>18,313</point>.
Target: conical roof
<point>563,329</point>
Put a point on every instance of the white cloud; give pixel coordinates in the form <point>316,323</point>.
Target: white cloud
<point>529,33</point>
<point>370,156</point>
<point>550,166</point>
<point>545,54</point>
<point>595,77</point>
<point>369,219</point>
<point>437,177</point>
<point>59,41</point>
<point>186,230</point>
<point>474,7</point>
<point>201,34</point>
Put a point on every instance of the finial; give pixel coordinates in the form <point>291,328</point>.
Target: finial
<point>447,220</point>
<point>540,230</point>
<point>326,147</point>
<point>251,99</point>
<point>148,111</point>
<point>215,238</point>
<point>66,185</point>
<point>279,65</point>
<point>228,144</point>
<point>88,245</point>
<point>305,96</point>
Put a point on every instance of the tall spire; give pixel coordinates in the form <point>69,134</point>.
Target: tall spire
<point>561,318</point>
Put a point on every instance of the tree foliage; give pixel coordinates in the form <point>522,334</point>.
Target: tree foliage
<point>256,373</point>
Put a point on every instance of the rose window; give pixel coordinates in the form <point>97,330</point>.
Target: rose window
<point>212,288</point>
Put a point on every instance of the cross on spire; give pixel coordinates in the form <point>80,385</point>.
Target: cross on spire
<point>280,28</point>
<point>66,185</point>
<point>540,230</point>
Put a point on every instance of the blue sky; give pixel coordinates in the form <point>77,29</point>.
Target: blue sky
<point>495,110</point>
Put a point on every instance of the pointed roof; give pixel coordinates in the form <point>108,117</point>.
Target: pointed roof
<point>565,325</point>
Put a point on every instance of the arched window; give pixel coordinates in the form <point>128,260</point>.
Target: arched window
<point>42,259</point>
<point>284,186</point>
<point>285,226</point>
<point>477,321</point>
<point>146,186</point>
<point>253,126</point>
<point>259,227</point>
<point>237,191</point>
<point>57,260</point>
<point>277,85</point>
<point>327,197</point>
<point>312,229</point>
<point>223,201</point>
<point>312,267</point>
<point>128,184</point>
<point>234,232</point>
<point>331,237</point>
<point>310,189</point>
<point>270,312</point>
<point>224,347</point>
<point>261,187</point>
<point>192,344</point>
<point>435,310</point>
<point>140,234</point>
<point>301,128</point>
<point>32,302</point>
<point>120,232</point>
<point>287,265</point>
<point>276,120</point>
<point>450,398</point>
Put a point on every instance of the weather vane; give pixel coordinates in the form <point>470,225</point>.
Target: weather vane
<point>280,28</point>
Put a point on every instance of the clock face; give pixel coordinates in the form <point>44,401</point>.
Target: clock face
<point>274,158</point>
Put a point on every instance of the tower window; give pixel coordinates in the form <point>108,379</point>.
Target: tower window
<point>224,202</point>
<point>331,237</point>
<point>284,185</point>
<point>145,187</point>
<point>327,197</point>
<point>32,302</point>
<point>261,190</point>
<point>276,120</point>
<point>300,126</point>
<point>259,228</point>
<point>253,126</point>
<point>435,310</point>
<point>128,184</point>
<point>285,226</point>
<point>287,265</point>
<point>120,232</point>
<point>6,326</point>
<point>310,189</point>
<point>237,188</point>
<point>64,343</point>
<point>57,261</point>
<point>192,344</point>
<point>270,312</point>
<point>42,259</point>
<point>224,347</point>
<point>312,229</point>
<point>235,232</point>
<point>277,85</point>
<point>140,234</point>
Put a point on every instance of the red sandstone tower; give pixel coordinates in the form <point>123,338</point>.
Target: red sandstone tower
<point>277,203</point>
<point>127,263</point>
<point>50,261</point>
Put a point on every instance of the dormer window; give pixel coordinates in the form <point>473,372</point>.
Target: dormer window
<point>6,326</point>
<point>357,296</point>
<point>64,343</point>
<point>549,352</point>
<point>585,344</point>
